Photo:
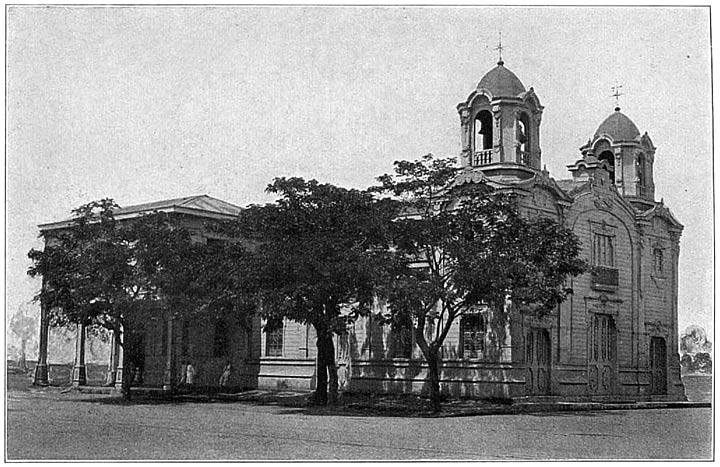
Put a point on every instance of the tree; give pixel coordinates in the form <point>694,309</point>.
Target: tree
<point>703,362</point>
<point>100,272</point>
<point>320,249</point>
<point>229,280</point>
<point>694,340</point>
<point>468,247</point>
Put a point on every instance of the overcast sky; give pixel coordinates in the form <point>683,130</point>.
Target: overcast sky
<point>143,104</point>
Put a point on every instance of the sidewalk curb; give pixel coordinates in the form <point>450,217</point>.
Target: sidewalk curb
<point>572,407</point>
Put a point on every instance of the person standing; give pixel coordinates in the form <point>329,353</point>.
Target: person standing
<point>190,374</point>
<point>225,377</point>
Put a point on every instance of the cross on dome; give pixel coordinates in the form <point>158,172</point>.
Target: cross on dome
<point>616,94</point>
<point>499,48</point>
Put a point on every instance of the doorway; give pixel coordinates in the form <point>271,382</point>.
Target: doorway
<point>537,358</point>
<point>658,366</point>
<point>601,354</point>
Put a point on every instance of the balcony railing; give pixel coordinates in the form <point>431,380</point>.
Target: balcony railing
<point>523,157</point>
<point>483,157</point>
<point>643,191</point>
<point>604,278</point>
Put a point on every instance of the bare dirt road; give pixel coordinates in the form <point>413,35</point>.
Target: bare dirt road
<point>45,424</point>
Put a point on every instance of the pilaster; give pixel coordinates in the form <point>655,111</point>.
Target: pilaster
<point>41,370</point>
<point>120,358</point>
<point>169,358</point>
<point>79,376</point>
<point>112,367</point>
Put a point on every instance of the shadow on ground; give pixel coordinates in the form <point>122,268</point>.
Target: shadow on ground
<point>355,405</point>
<point>349,404</point>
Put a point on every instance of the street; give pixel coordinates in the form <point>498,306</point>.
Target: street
<point>45,424</point>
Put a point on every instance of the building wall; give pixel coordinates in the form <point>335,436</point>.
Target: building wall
<point>643,304</point>
<point>295,368</point>
<point>615,219</point>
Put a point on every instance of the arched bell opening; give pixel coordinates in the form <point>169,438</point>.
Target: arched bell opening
<point>608,157</point>
<point>483,138</point>
<point>522,139</point>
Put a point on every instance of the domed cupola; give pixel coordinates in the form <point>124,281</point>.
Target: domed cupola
<point>618,147</point>
<point>501,82</point>
<point>500,126</point>
<point>618,127</point>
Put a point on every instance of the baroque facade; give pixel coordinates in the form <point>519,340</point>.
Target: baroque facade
<point>615,336</point>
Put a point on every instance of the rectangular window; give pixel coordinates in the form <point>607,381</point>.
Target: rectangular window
<point>400,341</point>
<point>472,336</point>
<point>274,341</point>
<point>658,265</point>
<point>603,250</point>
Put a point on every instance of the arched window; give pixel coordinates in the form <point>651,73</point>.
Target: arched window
<point>640,170</point>
<point>483,131</point>
<point>522,136</point>
<point>608,157</point>
<point>472,336</point>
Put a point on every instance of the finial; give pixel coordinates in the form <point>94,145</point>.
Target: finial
<point>616,94</point>
<point>500,48</point>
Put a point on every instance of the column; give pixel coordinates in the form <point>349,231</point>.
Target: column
<point>169,377</point>
<point>41,370</point>
<point>78,375</point>
<point>113,364</point>
<point>120,358</point>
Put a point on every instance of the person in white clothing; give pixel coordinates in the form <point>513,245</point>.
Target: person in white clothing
<point>225,377</point>
<point>190,374</point>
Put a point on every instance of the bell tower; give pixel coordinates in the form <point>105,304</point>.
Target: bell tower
<point>500,126</point>
<point>627,155</point>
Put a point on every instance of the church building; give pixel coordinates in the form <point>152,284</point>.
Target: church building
<point>615,336</point>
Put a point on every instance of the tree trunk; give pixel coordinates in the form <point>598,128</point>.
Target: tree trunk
<point>327,380</point>
<point>434,378</point>
<point>331,370</point>
<point>124,360</point>
<point>126,377</point>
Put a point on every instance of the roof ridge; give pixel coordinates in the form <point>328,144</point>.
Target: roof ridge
<point>188,199</point>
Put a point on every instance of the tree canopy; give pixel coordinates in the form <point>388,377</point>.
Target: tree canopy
<point>104,273</point>
<point>320,251</point>
<point>320,255</point>
<point>468,247</point>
